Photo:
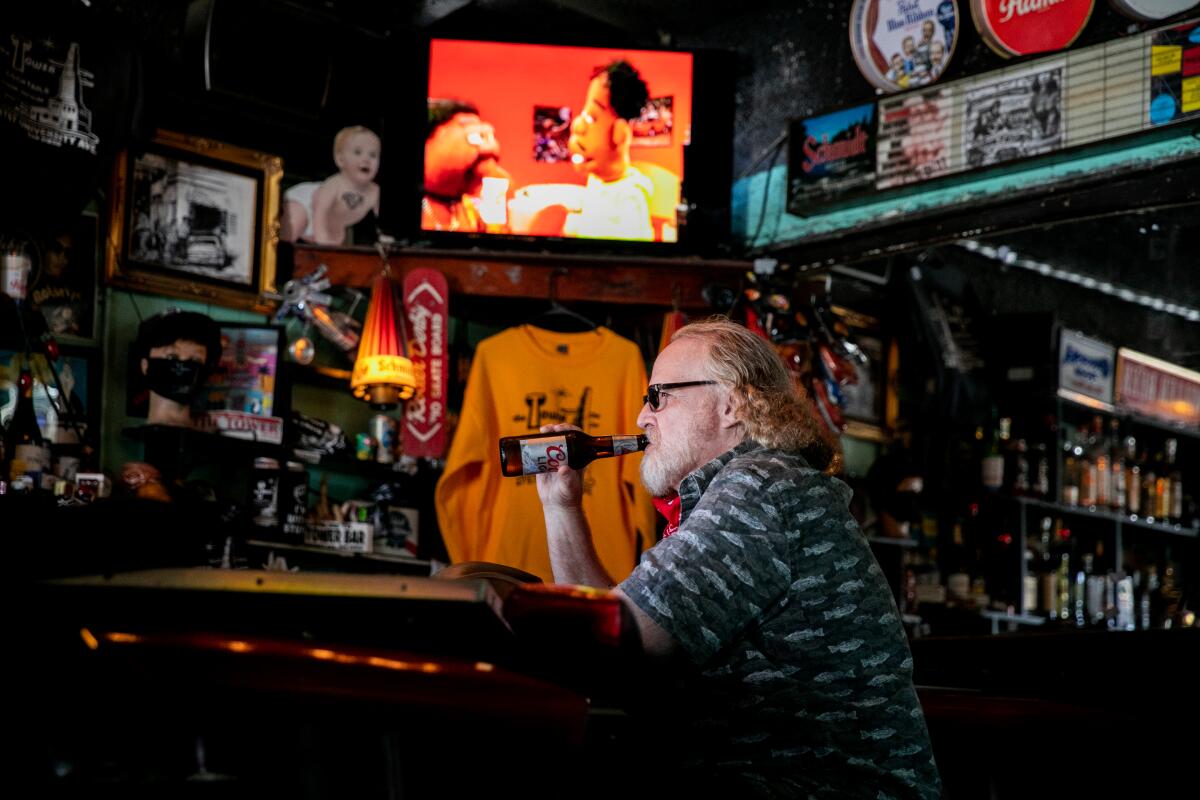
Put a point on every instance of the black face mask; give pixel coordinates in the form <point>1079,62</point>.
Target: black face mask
<point>175,379</point>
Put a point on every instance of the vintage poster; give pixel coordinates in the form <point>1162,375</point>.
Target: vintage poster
<point>903,44</point>
<point>1175,74</point>
<point>831,156</point>
<point>915,137</point>
<point>1014,117</point>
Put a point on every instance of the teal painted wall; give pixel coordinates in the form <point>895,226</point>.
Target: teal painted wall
<point>768,225</point>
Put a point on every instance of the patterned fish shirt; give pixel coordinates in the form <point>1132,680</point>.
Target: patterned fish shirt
<point>800,682</point>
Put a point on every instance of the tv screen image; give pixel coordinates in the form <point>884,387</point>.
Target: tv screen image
<point>555,141</point>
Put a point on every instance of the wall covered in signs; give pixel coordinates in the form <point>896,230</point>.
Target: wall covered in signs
<point>796,61</point>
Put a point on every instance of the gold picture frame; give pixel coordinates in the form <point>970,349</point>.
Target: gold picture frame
<point>195,218</point>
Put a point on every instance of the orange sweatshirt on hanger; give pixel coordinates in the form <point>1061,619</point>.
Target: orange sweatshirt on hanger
<point>521,379</point>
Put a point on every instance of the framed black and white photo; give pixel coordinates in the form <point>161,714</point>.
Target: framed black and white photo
<point>195,218</point>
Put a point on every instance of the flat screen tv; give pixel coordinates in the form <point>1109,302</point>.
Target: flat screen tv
<point>552,142</point>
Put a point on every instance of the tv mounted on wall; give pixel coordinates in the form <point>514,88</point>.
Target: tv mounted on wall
<point>524,142</point>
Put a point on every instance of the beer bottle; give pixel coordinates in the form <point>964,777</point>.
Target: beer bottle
<point>546,452</point>
<point>24,445</point>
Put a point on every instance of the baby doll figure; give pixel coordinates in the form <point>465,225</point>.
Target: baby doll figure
<point>320,212</point>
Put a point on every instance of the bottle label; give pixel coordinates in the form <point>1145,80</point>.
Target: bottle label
<point>543,455</point>
<point>993,472</point>
<point>624,444</point>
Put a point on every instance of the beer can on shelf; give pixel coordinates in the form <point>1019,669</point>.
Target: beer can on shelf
<point>384,430</point>
<point>264,495</point>
<point>293,500</point>
<point>364,447</point>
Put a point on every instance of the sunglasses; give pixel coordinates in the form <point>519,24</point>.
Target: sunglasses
<point>653,396</point>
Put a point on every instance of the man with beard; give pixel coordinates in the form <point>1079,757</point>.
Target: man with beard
<point>460,152</point>
<point>784,669</point>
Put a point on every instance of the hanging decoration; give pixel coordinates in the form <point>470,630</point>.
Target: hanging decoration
<point>383,374</point>
<point>795,316</point>
<point>307,299</point>
<point>426,315</point>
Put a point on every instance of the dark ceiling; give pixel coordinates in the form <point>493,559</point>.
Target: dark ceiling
<point>640,19</point>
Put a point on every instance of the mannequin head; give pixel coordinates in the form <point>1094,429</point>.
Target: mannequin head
<point>177,351</point>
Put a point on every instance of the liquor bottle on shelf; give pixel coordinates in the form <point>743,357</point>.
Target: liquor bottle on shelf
<point>1029,586</point>
<point>29,454</point>
<point>1101,459</point>
<point>1117,496</point>
<point>1174,510</point>
<point>1094,605</point>
<point>1150,489</point>
<point>1022,479</point>
<point>1087,468</point>
<point>1126,611</point>
<point>544,452</point>
<point>1162,484</point>
<point>991,467</point>
<point>1048,590</point>
<point>1063,583</point>
<point>1170,593</point>
<point>1148,598</point>
<point>958,577</point>
<point>1133,478</point>
<point>3,459</point>
<point>1070,481</point>
<point>1079,592</point>
<point>1041,473</point>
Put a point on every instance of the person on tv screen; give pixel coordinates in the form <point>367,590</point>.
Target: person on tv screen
<point>320,212</point>
<point>616,201</point>
<point>465,186</point>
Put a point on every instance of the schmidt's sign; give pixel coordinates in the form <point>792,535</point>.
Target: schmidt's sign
<point>831,157</point>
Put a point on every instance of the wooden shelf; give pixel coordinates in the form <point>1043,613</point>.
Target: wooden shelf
<point>1110,516</point>
<point>629,280</point>
<point>332,557</point>
<point>1140,420</point>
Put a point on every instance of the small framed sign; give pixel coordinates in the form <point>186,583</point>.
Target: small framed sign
<point>1085,366</point>
<point>832,157</point>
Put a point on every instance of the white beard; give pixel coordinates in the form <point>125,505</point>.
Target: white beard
<point>665,465</point>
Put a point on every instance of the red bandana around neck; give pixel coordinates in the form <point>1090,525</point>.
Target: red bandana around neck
<point>670,508</point>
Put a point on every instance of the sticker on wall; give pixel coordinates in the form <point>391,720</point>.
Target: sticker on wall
<point>1014,117</point>
<point>915,137</point>
<point>1023,27</point>
<point>903,44</point>
<point>1153,10</point>
<point>1175,74</point>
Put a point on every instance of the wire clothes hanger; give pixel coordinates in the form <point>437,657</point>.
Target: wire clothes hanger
<point>559,318</point>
